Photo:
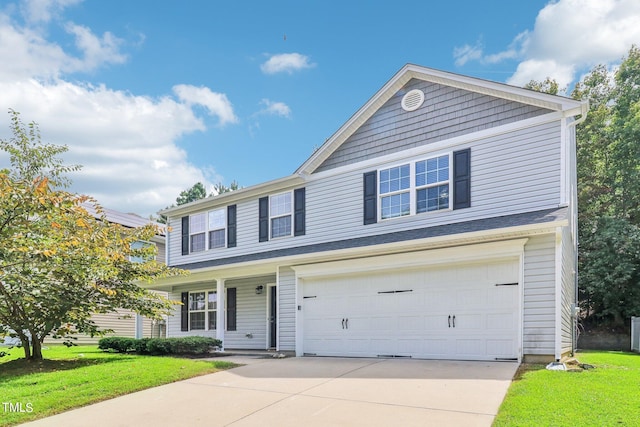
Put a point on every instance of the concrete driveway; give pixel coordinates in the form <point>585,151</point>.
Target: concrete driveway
<point>313,391</point>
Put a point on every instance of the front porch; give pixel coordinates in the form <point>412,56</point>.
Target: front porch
<point>241,312</point>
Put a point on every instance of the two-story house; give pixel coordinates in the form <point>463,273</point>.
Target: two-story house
<point>438,222</point>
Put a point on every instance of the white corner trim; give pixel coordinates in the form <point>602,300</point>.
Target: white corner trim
<point>477,252</point>
<point>558,294</point>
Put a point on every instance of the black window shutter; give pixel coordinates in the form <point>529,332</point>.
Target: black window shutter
<point>184,312</point>
<point>462,179</point>
<point>185,235</point>
<point>263,219</point>
<point>370,197</point>
<point>299,212</point>
<point>231,226</point>
<point>231,309</point>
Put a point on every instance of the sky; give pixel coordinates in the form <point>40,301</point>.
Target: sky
<point>152,96</point>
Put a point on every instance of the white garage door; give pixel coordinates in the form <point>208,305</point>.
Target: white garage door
<point>465,312</point>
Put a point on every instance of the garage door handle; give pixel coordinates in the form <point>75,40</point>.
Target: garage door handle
<point>347,323</point>
<point>449,321</point>
<point>342,323</point>
<point>454,320</point>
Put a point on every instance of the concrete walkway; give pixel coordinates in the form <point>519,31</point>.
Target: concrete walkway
<point>313,392</point>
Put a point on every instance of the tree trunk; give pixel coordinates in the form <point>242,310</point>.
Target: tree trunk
<point>36,347</point>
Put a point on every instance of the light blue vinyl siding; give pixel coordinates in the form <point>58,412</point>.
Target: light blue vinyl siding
<point>286,309</point>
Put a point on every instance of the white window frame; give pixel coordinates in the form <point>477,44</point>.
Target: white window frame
<point>192,233</point>
<point>281,215</point>
<point>448,182</point>
<point>413,188</point>
<point>144,244</point>
<point>207,312</point>
<point>210,228</point>
<point>396,192</point>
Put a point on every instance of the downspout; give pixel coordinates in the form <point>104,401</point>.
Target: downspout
<point>574,223</point>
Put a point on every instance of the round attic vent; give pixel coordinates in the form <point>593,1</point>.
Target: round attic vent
<point>412,100</point>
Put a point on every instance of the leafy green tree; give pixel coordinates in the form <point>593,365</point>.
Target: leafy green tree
<point>192,194</point>
<point>611,276</point>
<point>58,264</point>
<point>608,150</point>
<point>548,85</point>
<point>220,188</point>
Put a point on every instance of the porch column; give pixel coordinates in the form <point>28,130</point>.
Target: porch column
<point>220,317</point>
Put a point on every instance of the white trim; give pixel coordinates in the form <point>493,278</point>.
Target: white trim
<point>564,158</point>
<point>266,266</point>
<point>290,214</point>
<point>439,146</point>
<point>521,305</point>
<point>456,255</point>
<point>221,326</point>
<point>299,318</point>
<point>558,294</point>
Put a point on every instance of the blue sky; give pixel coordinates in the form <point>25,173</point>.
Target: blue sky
<point>153,96</point>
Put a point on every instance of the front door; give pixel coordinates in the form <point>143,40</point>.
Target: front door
<point>273,318</point>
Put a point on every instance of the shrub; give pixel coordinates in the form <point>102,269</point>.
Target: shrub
<point>117,344</point>
<point>160,346</point>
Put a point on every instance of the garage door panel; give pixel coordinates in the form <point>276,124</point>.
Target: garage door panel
<point>416,322</point>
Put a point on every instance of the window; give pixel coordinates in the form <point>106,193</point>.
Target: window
<point>414,188</point>
<point>432,184</point>
<point>139,257</point>
<point>395,192</point>
<point>217,226</point>
<point>280,215</point>
<point>197,226</point>
<point>202,310</point>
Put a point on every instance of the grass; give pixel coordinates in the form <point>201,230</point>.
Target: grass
<point>78,376</point>
<point>608,395</point>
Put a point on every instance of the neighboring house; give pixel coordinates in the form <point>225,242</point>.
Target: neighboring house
<point>126,323</point>
<point>438,222</point>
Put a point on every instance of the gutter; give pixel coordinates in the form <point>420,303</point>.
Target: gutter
<point>574,216</point>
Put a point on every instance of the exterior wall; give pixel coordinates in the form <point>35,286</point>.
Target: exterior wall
<point>251,313</point>
<point>446,113</point>
<point>568,296</point>
<point>286,309</point>
<point>539,297</point>
<point>510,173</point>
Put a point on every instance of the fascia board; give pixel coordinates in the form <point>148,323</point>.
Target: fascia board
<point>268,266</point>
<point>235,196</point>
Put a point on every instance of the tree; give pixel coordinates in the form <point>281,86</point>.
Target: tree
<point>220,188</point>
<point>608,150</point>
<point>58,264</point>
<point>548,85</point>
<point>611,256</point>
<point>192,194</point>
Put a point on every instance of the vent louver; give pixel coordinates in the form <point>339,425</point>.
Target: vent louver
<point>412,100</point>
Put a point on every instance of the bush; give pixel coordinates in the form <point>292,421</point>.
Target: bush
<point>117,344</point>
<point>160,346</point>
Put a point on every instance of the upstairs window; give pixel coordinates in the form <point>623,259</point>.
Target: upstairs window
<point>395,192</point>
<point>432,184</point>
<point>197,227</point>
<point>217,228</point>
<point>280,215</point>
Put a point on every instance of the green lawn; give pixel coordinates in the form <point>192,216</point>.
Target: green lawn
<point>77,376</point>
<point>608,395</point>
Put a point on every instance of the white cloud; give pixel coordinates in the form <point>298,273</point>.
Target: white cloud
<point>286,63</point>
<point>217,104</point>
<point>127,143</point>
<point>568,36</point>
<point>43,10</point>
<point>275,108</point>
<point>467,53</point>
